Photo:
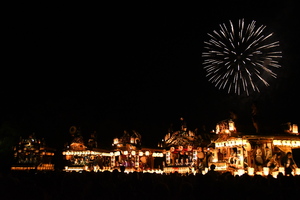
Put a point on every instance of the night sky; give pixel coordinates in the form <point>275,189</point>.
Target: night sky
<point>115,67</point>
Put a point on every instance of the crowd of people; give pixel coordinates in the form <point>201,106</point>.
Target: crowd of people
<point>143,186</point>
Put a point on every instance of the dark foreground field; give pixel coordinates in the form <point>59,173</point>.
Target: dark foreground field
<point>144,186</point>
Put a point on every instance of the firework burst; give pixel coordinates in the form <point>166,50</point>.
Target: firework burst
<point>240,58</point>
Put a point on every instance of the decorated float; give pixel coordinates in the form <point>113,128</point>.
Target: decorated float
<point>81,157</point>
<point>128,154</point>
<point>32,154</point>
<point>183,151</point>
<point>256,153</point>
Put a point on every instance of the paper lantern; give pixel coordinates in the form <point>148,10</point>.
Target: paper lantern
<point>297,171</point>
<point>266,171</point>
<point>281,169</point>
<point>295,128</point>
<point>241,172</point>
<point>250,171</point>
<point>231,125</point>
<point>172,149</point>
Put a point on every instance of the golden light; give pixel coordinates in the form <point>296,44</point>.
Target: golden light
<point>206,170</point>
<point>217,129</point>
<point>266,171</point>
<point>290,143</point>
<point>241,172</point>
<point>239,142</point>
<point>295,128</point>
<point>281,169</point>
<point>277,142</point>
<point>133,153</point>
<point>147,153</point>
<point>297,171</point>
<point>132,140</point>
<point>230,143</point>
<point>125,152</point>
<point>168,158</point>
<point>141,153</point>
<point>157,154</point>
<point>231,125</point>
<point>259,173</point>
<point>274,174</point>
<point>250,171</point>
<point>116,141</point>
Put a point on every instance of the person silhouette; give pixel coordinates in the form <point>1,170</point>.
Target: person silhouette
<point>289,164</point>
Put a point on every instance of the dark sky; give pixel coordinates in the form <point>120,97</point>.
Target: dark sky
<point>115,67</point>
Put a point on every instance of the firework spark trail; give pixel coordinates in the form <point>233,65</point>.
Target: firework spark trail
<point>241,57</point>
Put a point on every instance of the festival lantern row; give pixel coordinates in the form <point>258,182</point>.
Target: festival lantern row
<point>242,142</point>
<point>137,160</point>
<point>100,161</point>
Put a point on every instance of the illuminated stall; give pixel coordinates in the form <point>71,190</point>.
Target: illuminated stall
<point>33,154</point>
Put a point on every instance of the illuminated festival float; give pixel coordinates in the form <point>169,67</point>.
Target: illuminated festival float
<point>82,157</point>
<point>129,154</point>
<point>253,154</point>
<point>126,153</point>
<point>33,154</point>
<point>186,151</point>
<point>183,150</point>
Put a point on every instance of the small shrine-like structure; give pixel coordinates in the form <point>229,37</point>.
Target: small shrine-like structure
<point>32,154</point>
<point>81,157</point>
<point>129,154</point>
<point>183,150</point>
